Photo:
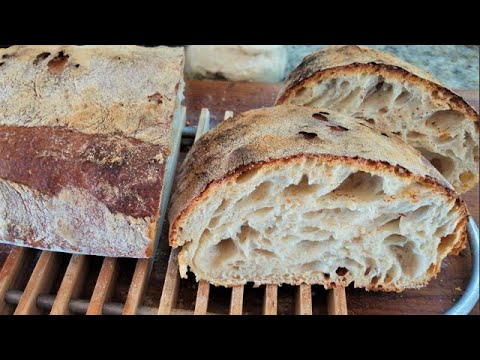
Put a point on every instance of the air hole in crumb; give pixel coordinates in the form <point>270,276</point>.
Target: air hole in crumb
<point>326,276</point>
<point>247,234</point>
<point>260,193</point>
<point>367,272</point>
<point>403,98</point>
<point>337,128</point>
<point>391,273</point>
<point>8,56</point>
<point>308,135</point>
<point>320,116</point>
<point>446,243</point>
<point>57,64</point>
<point>466,176</point>
<point>341,271</point>
<point>395,239</point>
<point>1,63</point>
<point>262,212</point>
<point>310,266</point>
<point>437,163</point>
<point>383,110</point>
<point>375,280</point>
<point>333,285</point>
<point>303,188</point>
<point>214,222</point>
<point>361,185</point>
<point>415,135</point>
<point>370,121</point>
<point>77,65</point>
<point>223,252</point>
<point>266,253</point>
<point>385,134</point>
<point>441,163</point>
<point>41,57</point>
<point>444,120</point>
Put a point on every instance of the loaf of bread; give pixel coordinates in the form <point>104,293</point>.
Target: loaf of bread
<point>397,97</point>
<point>292,194</point>
<point>84,136</point>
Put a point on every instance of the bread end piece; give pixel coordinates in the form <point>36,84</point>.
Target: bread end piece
<point>397,97</point>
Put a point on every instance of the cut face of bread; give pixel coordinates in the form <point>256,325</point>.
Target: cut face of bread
<point>311,202</point>
<point>397,97</point>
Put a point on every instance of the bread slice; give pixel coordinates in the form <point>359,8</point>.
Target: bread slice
<point>397,97</point>
<point>84,136</point>
<point>291,195</point>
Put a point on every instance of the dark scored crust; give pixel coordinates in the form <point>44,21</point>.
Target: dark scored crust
<point>123,173</point>
<point>350,60</point>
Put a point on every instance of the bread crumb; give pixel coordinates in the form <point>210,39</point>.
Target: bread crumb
<point>458,288</point>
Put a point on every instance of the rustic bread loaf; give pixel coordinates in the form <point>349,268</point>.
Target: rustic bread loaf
<point>397,97</point>
<point>84,136</point>
<point>300,195</point>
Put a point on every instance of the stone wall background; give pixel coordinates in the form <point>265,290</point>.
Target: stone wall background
<point>457,66</point>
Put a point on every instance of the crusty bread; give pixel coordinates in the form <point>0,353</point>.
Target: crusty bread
<point>84,136</point>
<point>292,194</point>
<point>397,97</point>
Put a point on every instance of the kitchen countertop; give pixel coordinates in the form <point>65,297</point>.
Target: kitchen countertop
<point>457,66</point>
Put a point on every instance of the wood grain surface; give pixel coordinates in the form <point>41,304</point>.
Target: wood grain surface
<point>219,96</point>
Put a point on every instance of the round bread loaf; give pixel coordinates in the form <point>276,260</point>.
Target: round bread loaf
<point>292,194</point>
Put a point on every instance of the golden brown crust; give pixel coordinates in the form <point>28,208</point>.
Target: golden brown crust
<point>350,60</point>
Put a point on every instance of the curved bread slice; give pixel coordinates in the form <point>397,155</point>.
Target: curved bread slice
<point>397,97</point>
<point>298,195</point>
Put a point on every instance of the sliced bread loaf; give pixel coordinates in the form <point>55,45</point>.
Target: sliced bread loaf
<point>299,195</point>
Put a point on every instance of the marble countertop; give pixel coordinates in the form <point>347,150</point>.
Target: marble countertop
<point>457,66</point>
